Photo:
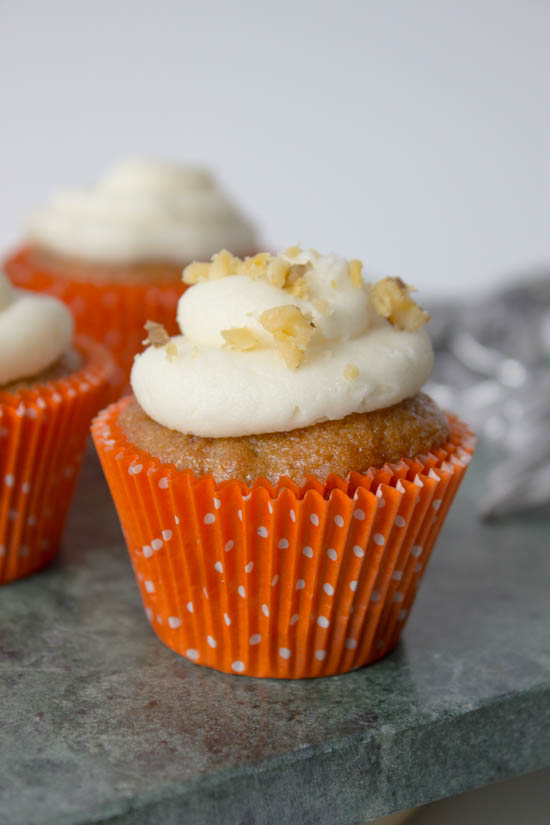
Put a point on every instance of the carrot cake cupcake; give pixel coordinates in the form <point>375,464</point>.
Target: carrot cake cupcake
<point>50,388</point>
<point>114,252</point>
<point>279,474</point>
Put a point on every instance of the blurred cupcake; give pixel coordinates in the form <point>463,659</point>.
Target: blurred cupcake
<point>279,476</point>
<point>114,252</point>
<point>50,389</point>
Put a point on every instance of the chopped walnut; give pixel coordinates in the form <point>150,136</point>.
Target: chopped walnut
<point>171,350</point>
<point>391,299</point>
<point>156,334</point>
<point>351,371</point>
<point>355,272</point>
<point>197,271</point>
<point>241,338</point>
<point>291,330</point>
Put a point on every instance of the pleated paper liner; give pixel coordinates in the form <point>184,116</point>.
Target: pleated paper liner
<point>279,582</point>
<point>42,439</point>
<point>112,314</point>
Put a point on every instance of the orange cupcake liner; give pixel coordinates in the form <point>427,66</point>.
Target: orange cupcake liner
<point>112,314</point>
<point>281,581</point>
<point>42,440</point>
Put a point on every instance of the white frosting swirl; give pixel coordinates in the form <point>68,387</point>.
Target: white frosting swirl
<point>209,390</point>
<point>143,210</point>
<point>35,330</point>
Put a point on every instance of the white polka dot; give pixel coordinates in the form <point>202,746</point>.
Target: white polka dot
<point>255,639</point>
<point>300,584</point>
<point>339,521</point>
<point>416,550</point>
<point>156,544</point>
<point>436,504</point>
<point>249,567</point>
<point>219,567</point>
<point>149,586</point>
<point>378,539</point>
<point>265,610</point>
<point>174,622</point>
<point>240,514</point>
<point>147,551</point>
<point>217,503</point>
<point>270,506</point>
<point>238,667</point>
<point>205,592</point>
<point>2,550</point>
<point>375,596</point>
<point>211,641</point>
<point>20,411</point>
<point>226,619</point>
<point>209,518</point>
<point>25,487</point>
<point>190,607</point>
<point>283,544</point>
<point>12,515</point>
<point>381,502</point>
<point>241,591</point>
<point>163,483</point>
<point>328,588</point>
<point>9,480</point>
<point>294,619</point>
<point>274,580</point>
<point>359,514</point>
<point>359,552</point>
<point>332,554</point>
<point>399,487</point>
<point>320,655</point>
<point>247,497</point>
<point>191,653</point>
<point>314,518</point>
<point>307,551</point>
<point>229,545</point>
<point>322,621</point>
<point>402,615</point>
<point>351,643</point>
<point>284,653</point>
<point>398,597</point>
<point>32,413</point>
<point>31,521</point>
<point>353,585</point>
<point>134,469</point>
<point>292,515</point>
<point>262,531</point>
<point>176,519</point>
<point>399,521</point>
<point>417,568</point>
<point>166,535</point>
<point>397,575</point>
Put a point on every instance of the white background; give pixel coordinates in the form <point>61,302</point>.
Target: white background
<point>415,135</point>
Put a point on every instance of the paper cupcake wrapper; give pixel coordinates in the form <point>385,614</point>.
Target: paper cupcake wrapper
<point>281,581</point>
<point>42,439</point>
<point>112,314</point>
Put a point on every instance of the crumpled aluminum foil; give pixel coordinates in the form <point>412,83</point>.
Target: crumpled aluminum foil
<point>492,369</point>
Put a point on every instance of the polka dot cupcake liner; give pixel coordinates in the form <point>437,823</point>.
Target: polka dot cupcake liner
<point>112,314</point>
<point>42,440</point>
<point>281,581</point>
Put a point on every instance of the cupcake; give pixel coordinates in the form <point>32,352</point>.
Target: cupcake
<point>50,388</point>
<point>279,475</point>
<point>114,252</point>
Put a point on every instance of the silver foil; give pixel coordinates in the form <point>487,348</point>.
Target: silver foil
<point>493,369</point>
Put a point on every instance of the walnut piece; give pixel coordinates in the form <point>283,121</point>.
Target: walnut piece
<point>156,334</point>
<point>291,331</point>
<point>391,299</point>
<point>355,272</point>
<point>241,338</point>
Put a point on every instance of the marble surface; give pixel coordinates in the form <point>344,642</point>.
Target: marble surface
<point>100,723</point>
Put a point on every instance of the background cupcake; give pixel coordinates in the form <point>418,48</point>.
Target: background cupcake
<point>49,390</point>
<point>279,477</point>
<point>114,252</point>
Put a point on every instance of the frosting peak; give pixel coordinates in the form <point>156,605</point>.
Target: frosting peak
<point>273,343</point>
<point>143,210</point>
<point>35,330</point>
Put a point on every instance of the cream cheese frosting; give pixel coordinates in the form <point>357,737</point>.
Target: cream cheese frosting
<point>35,330</point>
<point>261,351</point>
<point>143,210</point>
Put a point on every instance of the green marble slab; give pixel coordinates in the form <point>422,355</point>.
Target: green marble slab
<point>99,723</point>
